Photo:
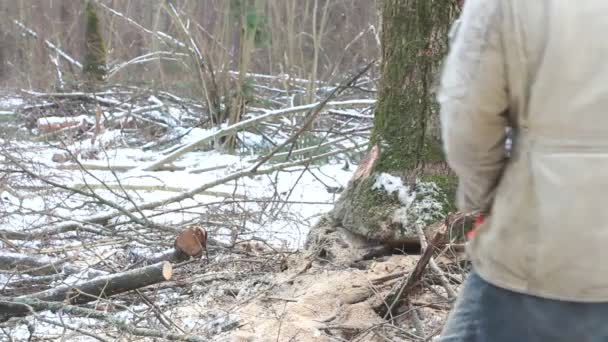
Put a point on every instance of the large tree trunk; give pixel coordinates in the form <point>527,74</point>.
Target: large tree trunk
<point>404,180</point>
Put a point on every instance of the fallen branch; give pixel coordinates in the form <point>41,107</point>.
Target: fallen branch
<point>245,124</point>
<point>124,187</point>
<point>400,293</point>
<point>35,281</point>
<point>191,242</point>
<point>91,290</point>
<point>163,37</point>
<point>22,263</point>
<point>103,218</point>
<point>37,266</point>
<point>442,278</point>
<point>114,168</point>
<point>149,57</point>
<point>33,305</point>
<point>312,115</point>
<point>49,45</point>
<point>277,155</point>
<point>87,96</point>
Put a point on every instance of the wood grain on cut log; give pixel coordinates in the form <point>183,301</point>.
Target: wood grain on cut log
<point>91,290</point>
<point>191,242</point>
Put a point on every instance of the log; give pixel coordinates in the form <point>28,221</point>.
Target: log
<point>24,263</point>
<point>39,266</point>
<point>153,166</point>
<point>50,124</point>
<point>118,322</point>
<point>191,242</point>
<point>104,217</point>
<point>91,290</point>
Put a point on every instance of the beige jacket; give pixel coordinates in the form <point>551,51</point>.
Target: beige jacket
<point>540,67</point>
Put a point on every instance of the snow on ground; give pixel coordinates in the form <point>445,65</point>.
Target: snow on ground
<point>278,208</point>
<point>307,192</point>
<point>10,102</point>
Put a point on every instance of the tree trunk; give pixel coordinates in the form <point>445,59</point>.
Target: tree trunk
<point>413,43</point>
<point>404,180</point>
<point>94,62</point>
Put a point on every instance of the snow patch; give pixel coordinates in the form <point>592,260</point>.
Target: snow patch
<point>58,120</point>
<point>420,205</point>
<point>390,184</point>
<point>11,102</point>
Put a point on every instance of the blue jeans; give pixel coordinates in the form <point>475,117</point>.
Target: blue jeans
<point>486,313</point>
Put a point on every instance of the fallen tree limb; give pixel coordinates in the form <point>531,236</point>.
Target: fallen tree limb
<point>49,45</point>
<point>38,280</point>
<point>36,266</point>
<point>287,154</point>
<point>134,187</point>
<point>115,168</point>
<point>22,262</point>
<point>103,218</point>
<point>36,234</point>
<point>149,57</point>
<point>33,305</point>
<point>95,97</point>
<point>191,242</point>
<point>312,115</point>
<point>91,290</point>
<point>245,124</point>
<point>400,293</point>
<point>163,37</point>
<point>433,265</point>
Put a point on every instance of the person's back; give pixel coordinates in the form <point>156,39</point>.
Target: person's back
<point>541,68</point>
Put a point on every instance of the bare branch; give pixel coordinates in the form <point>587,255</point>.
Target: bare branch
<point>49,45</point>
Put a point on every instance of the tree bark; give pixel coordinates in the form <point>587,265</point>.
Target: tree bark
<point>414,42</point>
<point>38,266</point>
<point>403,182</point>
<point>89,291</point>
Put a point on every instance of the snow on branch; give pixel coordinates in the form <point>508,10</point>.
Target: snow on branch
<point>247,124</point>
<point>50,45</point>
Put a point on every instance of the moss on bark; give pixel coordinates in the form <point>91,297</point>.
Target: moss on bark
<point>94,63</point>
<point>414,42</point>
<point>369,212</point>
<point>447,185</point>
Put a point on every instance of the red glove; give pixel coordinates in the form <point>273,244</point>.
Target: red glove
<point>478,222</point>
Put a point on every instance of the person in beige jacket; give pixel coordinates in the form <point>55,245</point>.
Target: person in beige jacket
<point>540,260</point>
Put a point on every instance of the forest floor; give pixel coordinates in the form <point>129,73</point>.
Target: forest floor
<point>67,162</point>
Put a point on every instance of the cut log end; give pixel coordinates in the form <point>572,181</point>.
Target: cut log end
<point>191,242</point>
<point>166,270</point>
